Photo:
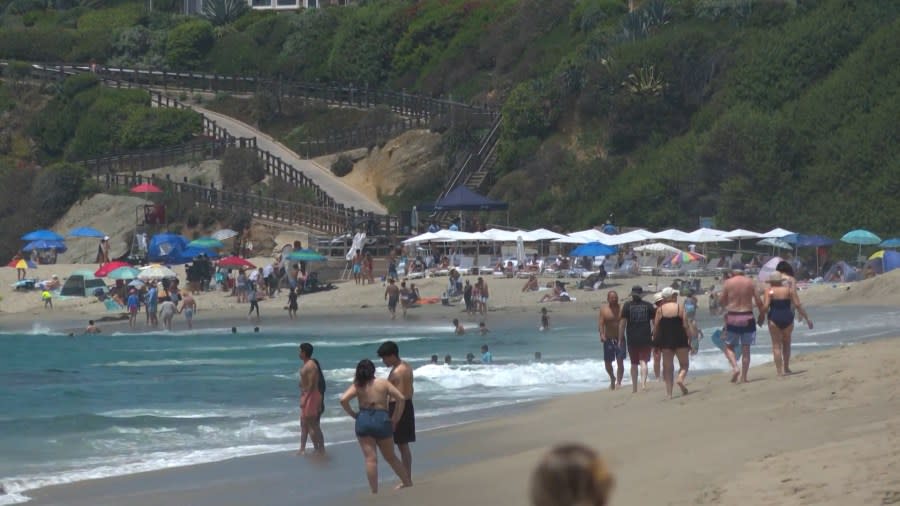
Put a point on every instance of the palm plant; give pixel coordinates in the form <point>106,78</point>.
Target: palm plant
<point>222,12</point>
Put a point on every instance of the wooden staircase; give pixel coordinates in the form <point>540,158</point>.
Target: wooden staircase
<point>475,171</point>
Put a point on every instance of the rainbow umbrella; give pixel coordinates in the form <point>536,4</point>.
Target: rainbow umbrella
<point>686,257</point>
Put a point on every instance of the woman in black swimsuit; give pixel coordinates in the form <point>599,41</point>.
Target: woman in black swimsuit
<point>670,334</point>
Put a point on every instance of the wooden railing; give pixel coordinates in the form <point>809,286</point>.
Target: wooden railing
<point>348,95</point>
<point>156,158</point>
<point>255,204</point>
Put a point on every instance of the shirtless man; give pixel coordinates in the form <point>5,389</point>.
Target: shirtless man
<point>613,343</point>
<point>401,376</point>
<point>188,307</point>
<point>392,296</point>
<point>738,297</point>
<point>91,328</point>
<point>312,403</point>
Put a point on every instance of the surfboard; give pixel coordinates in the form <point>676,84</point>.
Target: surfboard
<point>717,340</point>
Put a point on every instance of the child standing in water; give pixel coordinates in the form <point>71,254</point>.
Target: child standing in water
<point>545,320</point>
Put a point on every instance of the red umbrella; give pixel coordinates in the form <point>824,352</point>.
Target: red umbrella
<point>109,267</point>
<point>146,188</point>
<point>234,261</point>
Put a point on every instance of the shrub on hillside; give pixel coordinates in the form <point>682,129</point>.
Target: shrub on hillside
<point>99,128</point>
<point>38,44</point>
<point>188,43</point>
<point>156,127</point>
<point>342,166</point>
<point>305,51</point>
<point>56,188</point>
<point>363,43</point>
<point>241,168</point>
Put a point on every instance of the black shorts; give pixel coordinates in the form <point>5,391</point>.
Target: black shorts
<point>406,427</point>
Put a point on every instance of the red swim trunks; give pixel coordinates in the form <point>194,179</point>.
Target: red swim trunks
<point>311,404</point>
<point>639,354</point>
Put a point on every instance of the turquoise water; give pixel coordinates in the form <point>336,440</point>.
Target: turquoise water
<point>96,406</point>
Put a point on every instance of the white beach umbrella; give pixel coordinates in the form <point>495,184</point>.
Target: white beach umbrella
<point>542,234</point>
<point>426,237</point>
<point>740,233</point>
<point>657,247</point>
<point>572,240</point>
<point>776,233</point>
<point>156,271</point>
<point>672,234</point>
<point>497,235</point>
<point>702,235</point>
<point>629,237</point>
<point>225,233</point>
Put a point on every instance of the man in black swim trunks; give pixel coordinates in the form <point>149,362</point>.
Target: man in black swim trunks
<point>392,295</point>
<point>401,376</point>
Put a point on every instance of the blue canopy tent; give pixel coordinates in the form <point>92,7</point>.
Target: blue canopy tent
<point>60,246</point>
<point>86,232</point>
<point>464,199</point>
<point>42,235</point>
<point>808,241</point>
<point>166,248</point>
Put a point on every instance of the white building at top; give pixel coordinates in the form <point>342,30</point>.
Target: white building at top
<point>293,4</point>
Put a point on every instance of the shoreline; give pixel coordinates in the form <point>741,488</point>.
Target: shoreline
<point>480,454</point>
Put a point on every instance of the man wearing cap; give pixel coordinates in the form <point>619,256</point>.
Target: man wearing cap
<point>634,323</point>
<point>738,297</point>
<point>613,343</point>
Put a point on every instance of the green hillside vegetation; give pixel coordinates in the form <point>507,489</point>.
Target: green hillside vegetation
<point>756,112</point>
<point>46,129</point>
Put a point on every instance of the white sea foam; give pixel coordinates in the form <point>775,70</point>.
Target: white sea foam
<point>178,362</point>
<point>188,414</point>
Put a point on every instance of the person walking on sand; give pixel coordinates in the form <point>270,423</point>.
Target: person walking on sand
<point>189,308</point>
<point>133,303</point>
<point>670,334</point>
<point>312,401</point>
<point>738,297</point>
<point>152,301</point>
<point>356,268</point>
<point>635,329</point>
<point>254,302</point>
<point>401,376</point>
<point>47,297</point>
<point>374,426</point>
<point>613,343</point>
<point>292,303</point>
<point>571,474</point>
<point>777,303</point>
<point>485,295</point>
<point>392,296</point>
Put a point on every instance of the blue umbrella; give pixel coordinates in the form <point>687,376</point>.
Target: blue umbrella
<point>44,244</point>
<point>891,243</point>
<point>804,241</point>
<point>42,235</point>
<point>861,237</point>
<point>86,232</point>
<point>593,249</point>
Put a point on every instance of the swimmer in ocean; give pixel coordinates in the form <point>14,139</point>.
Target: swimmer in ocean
<point>545,320</point>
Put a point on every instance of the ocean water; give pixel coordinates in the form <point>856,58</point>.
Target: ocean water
<point>120,403</point>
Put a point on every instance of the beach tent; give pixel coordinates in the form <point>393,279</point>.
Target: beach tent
<point>841,272</point>
<point>166,248</point>
<point>883,261</point>
<point>81,284</point>
<point>464,199</point>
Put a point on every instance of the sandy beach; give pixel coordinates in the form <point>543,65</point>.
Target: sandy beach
<point>826,435</point>
<point>18,309</point>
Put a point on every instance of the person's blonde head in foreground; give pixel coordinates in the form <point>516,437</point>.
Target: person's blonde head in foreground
<point>571,475</point>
